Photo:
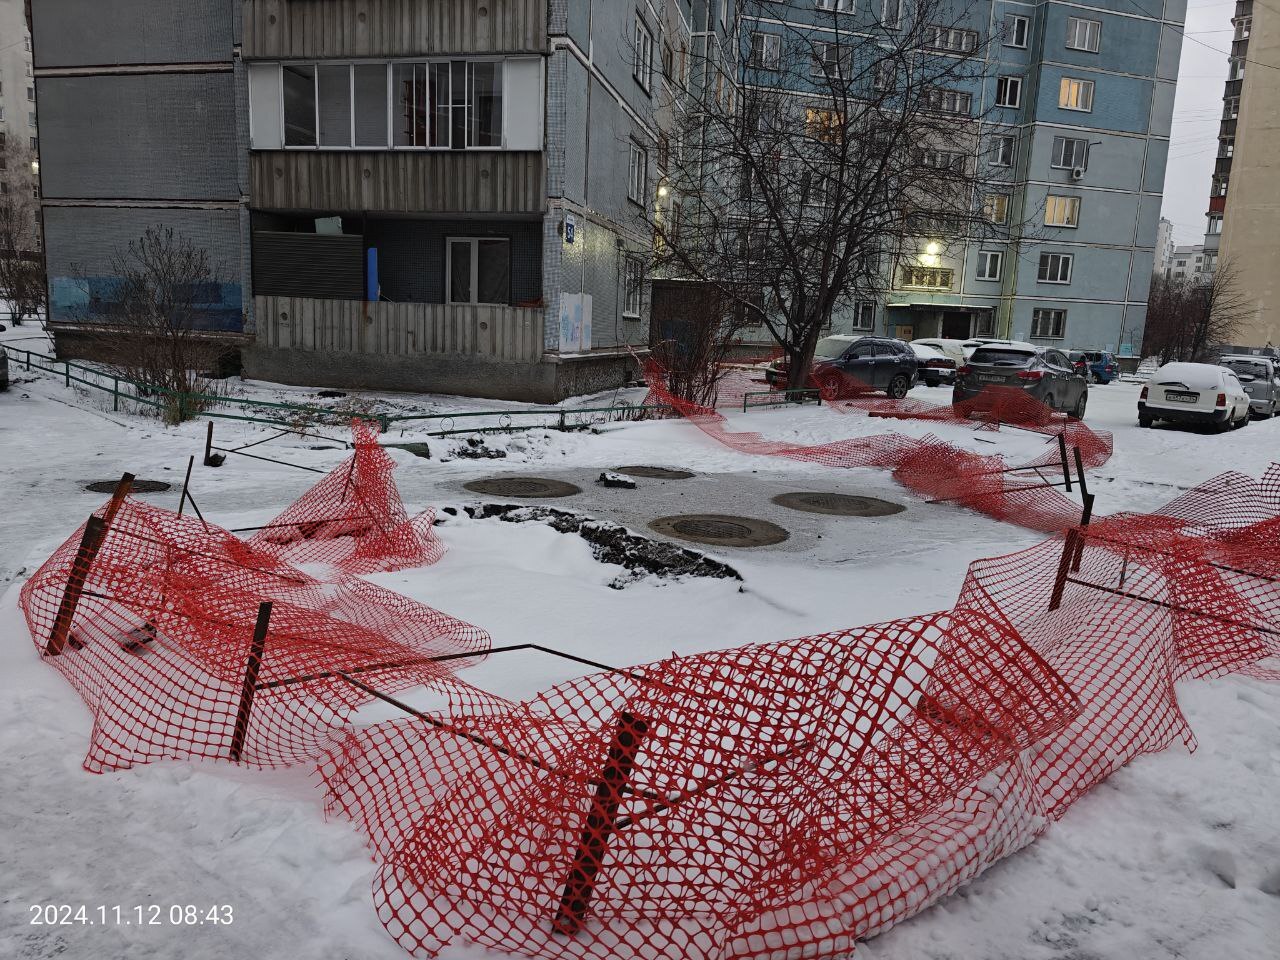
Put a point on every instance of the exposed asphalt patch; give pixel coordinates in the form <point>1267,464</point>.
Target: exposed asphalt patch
<point>721,530</point>
<point>523,487</point>
<point>613,543</point>
<point>837,504</point>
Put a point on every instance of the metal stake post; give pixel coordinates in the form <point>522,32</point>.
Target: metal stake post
<point>251,669</point>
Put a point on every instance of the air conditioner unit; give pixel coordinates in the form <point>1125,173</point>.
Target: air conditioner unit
<point>1077,173</point>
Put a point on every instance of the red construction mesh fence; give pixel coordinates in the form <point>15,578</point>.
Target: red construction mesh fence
<point>787,799</point>
<point>151,617</point>
<point>353,519</point>
<point>933,469</point>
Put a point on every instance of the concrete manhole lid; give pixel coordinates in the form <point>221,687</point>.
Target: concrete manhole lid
<point>720,530</point>
<point>527,487</point>
<point>655,473</point>
<point>138,486</point>
<point>837,504</point>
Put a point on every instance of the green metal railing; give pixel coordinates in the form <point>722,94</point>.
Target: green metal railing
<point>776,398</point>
<point>274,413</point>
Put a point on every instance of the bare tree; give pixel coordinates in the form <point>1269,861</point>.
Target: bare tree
<point>808,167</point>
<point>1189,319</point>
<point>144,319</point>
<point>22,279</point>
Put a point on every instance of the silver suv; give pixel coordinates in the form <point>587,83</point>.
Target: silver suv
<point>1260,377</point>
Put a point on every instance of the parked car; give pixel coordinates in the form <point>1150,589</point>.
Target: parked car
<point>1260,377</point>
<point>936,368</point>
<point>1194,393</point>
<point>1044,373</point>
<point>951,348</point>
<point>1097,366</point>
<point>865,363</point>
<point>844,365</point>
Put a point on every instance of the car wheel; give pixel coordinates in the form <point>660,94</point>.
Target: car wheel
<point>831,385</point>
<point>1145,420</point>
<point>1244,419</point>
<point>898,387</point>
<point>1078,411</point>
<point>1094,378</point>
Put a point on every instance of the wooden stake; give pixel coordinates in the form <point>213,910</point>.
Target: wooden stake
<point>251,668</point>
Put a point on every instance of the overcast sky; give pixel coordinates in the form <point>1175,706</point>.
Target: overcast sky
<point>1196,114</point>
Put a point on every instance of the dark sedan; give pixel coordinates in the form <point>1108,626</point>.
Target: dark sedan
<point>845,365</point>
<point>1043,373</point>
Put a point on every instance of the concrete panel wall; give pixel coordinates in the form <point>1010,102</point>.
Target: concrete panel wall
<point>82,240</point>
<point>74,33</point>
<point>154,136</point>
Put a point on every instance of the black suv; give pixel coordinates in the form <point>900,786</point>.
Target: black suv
<point>844,366</point>
<point>1044,373</point>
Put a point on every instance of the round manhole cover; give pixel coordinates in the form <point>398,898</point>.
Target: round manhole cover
<point>720,530</point>
<point>138,486</point>
<point>655,473</point>
<point>837,504</point>
<point>525,487</point>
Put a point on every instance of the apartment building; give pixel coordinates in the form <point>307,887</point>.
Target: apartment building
<point>1073,112</point>
<point>1164,246</point>
<point>1191,263</point>
<point>1247,214</point>
<point>428,195</point>
<point>19,154</point>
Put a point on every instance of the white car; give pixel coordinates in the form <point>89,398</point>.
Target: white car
<point>936,368</point>
<point>1194,393</point>
<point>951,348</point>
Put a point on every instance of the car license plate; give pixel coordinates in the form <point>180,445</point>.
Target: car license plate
<point>988,378</point>
<point>1177,397</point>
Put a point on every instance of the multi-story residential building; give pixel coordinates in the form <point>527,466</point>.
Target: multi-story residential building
<point>1241,22</point>
<point>1189,263</point>
<point>1164,246</point>
<point>1073,113</point>
<point>1248,216</point>
<point>431,195</point>
<point>19,166</point>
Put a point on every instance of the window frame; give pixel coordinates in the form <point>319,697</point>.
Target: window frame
<point>860,307</point>
<point>1069,203</point>
<point>1005,138</point>
<point>1092,31</point>
<point>1009,82</point>
<point>837,6</point>
<point>632,281</point>
<point>1080,85</point>
<point>988,206</point>
<point>1051,314</point>
<point>898,8</point>
<point>1060,259</point>
<point>763,61</point>
<point>642,62</point>
<point>1056,153</point>
<point>912,271</point>
<point>983,271</point>
<point>951,39</point>
<point>637,192</point>
<point>1012,22</point>
<point>474,265</point>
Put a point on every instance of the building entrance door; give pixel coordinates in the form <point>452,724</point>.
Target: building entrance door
<point>956,325</point>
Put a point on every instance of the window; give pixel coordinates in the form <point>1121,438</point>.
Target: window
<point>949,101</point>
<point>1226,147</point>
<point>299,104</point>
<point>1075,94</point>
<point>1008,91</point>
<point>1230,108</point>
<point>26,44</point>
<point>1243,26</point>
<point>637,174</point>
<point>838,6</point>
<point>943,160</point>
<point>989,263</point>
<point>478,270</point>
<point>1215,223</point>
<point>995,207</point>
<point>891,13</point>
<point>1083,34</point>
<point>931,278</point>
<point>31,94</point>
<point>1055,268</point>
<point>1047,324</point>
<point>885,76</point>
<point>831,59</point>
<point>333,99</point>
<point>1003,150</point>
<point>864,315</point>
<point>933,224</point>
<point>1069,152</point>
<point>951,39</point>
<point>642,69</point>
<point>1236,70</point>
<point>31,119</point>
<point>1016,29</point>
<point>1061,211</point>
<point>632,287</point>
<point>369,89</point>
<point>825,125</point>
<point>766,51</point>
<point>668,61</point>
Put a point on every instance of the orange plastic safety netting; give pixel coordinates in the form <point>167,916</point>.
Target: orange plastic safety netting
<point>1023,494</point>
<point>353,519</point>
<point>152,617</point>
<point>787,799</point>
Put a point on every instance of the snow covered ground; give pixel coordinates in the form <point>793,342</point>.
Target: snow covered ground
<point>1175,856</point>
